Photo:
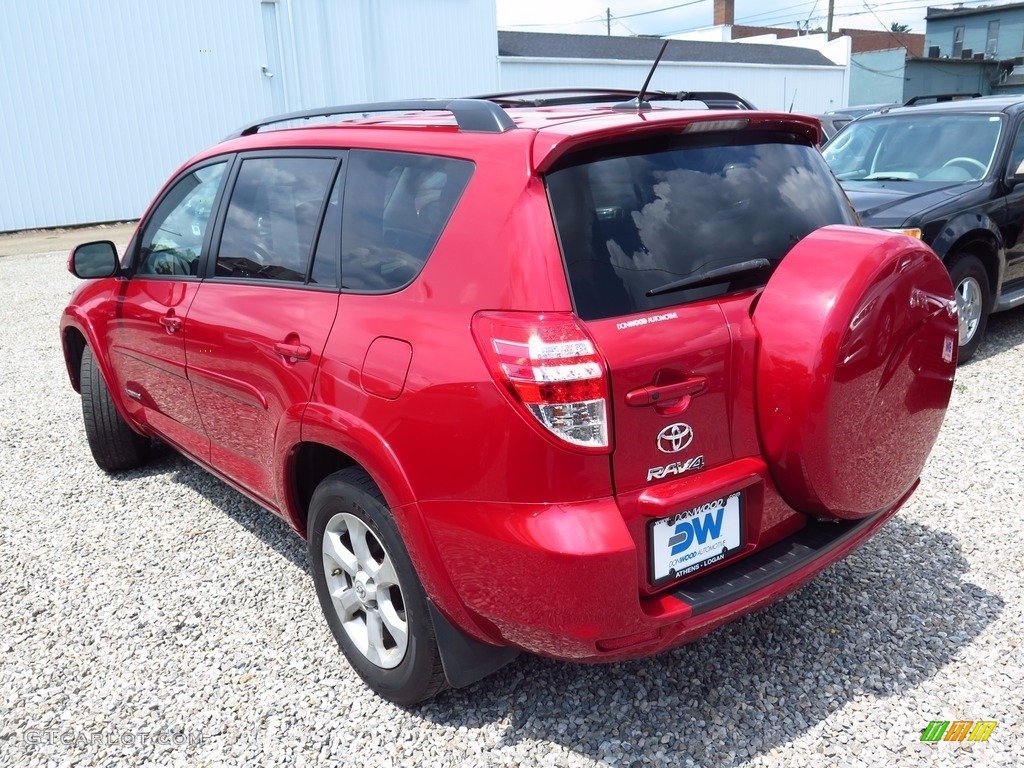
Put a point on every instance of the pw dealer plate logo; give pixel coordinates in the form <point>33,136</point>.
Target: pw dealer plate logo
<point>674,438</point>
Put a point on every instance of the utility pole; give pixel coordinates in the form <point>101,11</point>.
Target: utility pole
<point>608,20</point>
<point>831,8</point>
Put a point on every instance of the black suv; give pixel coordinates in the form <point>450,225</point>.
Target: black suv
<point>950,173</point>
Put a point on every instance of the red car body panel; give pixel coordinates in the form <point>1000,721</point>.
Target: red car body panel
<point>517,539</point>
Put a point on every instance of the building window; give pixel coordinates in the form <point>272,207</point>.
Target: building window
<point>958,42</point>
<point>992,40</point>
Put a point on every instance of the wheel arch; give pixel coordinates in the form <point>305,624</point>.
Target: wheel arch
<point>333,440</point>
<point>977,234</point>
<point>77,334</point>
<point>74,344</point>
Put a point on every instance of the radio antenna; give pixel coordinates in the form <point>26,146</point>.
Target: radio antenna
<point>638,103</point>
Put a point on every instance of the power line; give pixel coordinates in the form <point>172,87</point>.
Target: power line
<point>778,17</point>
<point>592,19</point>
<point>556,23</point>
<point>659,10</point>
<point>879,72</point>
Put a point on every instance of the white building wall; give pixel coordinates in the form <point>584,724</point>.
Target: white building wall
<point>802,89</point>
<point>101,100</point>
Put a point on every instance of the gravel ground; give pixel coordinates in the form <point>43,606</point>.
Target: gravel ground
<point>160,618</point>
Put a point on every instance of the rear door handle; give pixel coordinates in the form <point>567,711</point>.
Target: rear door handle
<point>293,352</point>
<point>171,322</point>
<point>665,394</point>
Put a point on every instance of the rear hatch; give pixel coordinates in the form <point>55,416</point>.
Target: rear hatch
<point>666,242</point>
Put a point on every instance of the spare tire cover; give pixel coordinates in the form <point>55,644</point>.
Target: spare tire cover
<point>858,341</point>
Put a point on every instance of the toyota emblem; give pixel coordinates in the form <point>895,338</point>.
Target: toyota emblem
<point>674,437</point>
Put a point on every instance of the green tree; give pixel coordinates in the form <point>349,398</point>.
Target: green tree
<point>897,27</point>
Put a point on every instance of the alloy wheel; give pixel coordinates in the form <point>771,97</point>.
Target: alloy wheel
<point>968,305</point>
<point>365,590</point>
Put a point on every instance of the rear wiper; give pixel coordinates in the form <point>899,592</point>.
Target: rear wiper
<point>715,276</point>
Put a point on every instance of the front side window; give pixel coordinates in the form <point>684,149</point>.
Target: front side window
<point>173,239</point>
<point>633,223</point>
<point>958,42</point>
<point>396,206</point>
<point>272,218</point>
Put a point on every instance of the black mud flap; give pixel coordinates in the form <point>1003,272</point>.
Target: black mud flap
<point>464,659</point>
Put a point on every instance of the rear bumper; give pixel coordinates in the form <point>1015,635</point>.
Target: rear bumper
<point>561,580</point>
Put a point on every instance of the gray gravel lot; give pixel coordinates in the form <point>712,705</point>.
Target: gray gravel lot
<point>160,618</point>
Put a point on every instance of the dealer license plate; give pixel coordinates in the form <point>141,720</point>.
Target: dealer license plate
<point>694,539</point>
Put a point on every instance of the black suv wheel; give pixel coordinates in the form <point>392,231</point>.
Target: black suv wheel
<point>973,300</point>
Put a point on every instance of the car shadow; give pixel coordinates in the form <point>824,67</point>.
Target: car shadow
<point>759,682</point>
<point>748,687</point>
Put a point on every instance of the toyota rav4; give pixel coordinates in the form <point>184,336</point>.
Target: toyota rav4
<point>583,380</point>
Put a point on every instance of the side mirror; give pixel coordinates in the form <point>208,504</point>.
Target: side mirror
<point>92,260</point>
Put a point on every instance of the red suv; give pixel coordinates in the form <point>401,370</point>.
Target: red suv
<point>581,380</point>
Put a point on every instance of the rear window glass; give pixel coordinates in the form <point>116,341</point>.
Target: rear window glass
<point>396,206</point>
<point>661,211</point>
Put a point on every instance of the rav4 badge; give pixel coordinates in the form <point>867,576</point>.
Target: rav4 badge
<point>676,468</point>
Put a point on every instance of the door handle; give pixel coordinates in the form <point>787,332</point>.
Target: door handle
<point>668,399</point>
<point>293,352</point>
<point>171,322</point>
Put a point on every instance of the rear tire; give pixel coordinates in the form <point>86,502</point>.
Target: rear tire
<point>369,591</point>
<point>115,446</point>
<point>973,301</point>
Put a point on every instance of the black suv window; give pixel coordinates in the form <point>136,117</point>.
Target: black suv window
<point>930,147</point>
<point>173,239</point>
<point>272,217</point>
<point>661,211</point>
<point>396,206</point>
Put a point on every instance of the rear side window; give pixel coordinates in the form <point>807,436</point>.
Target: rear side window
<point>396,206</point>
<point>661,211</point>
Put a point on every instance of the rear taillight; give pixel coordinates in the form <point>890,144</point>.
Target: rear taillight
<point>550,367</point>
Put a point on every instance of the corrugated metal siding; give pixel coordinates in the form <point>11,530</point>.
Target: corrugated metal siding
<point>101,100</point>
<point>806,89</point>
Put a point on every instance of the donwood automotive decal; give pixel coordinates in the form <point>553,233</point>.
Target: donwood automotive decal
<point>636,322</point>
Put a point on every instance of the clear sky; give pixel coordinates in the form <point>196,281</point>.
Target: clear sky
<point>666,17</point>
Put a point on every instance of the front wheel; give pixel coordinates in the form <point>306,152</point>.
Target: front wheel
<point>369,591</point>
<point>973,301</point>
<point>115,446</point>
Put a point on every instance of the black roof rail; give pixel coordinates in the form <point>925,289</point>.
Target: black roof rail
<point>477,115</point>
<point>553,97</point>
<point>937,97</point>
<point>716,99</point>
